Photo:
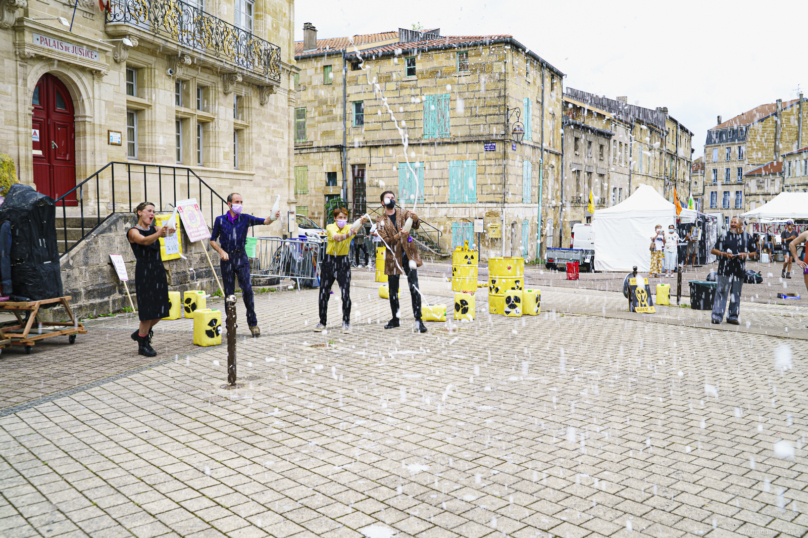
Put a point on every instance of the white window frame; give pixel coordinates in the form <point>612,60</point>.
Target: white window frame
<point>200,97</point>
<point>178,140</point>
<point>245,14</point>
<point>715,155</point>
<point>131,142</point>
<point>235,149</point>
<point>133,83</point>
<point>177,93</point>
<point>729,153</point>
<point>200,143</point>
<point>740,153</point>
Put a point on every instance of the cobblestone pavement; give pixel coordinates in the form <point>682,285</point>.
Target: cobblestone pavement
<point>585,421</point>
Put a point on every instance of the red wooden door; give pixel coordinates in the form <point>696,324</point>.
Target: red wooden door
<point>53,138</point>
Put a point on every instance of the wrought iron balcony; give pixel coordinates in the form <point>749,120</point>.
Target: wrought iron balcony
<point>192,28</point>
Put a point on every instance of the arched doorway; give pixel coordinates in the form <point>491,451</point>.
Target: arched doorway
<point>53,136</point>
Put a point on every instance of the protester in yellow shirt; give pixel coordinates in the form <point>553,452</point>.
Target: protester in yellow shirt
<point>337,266</point>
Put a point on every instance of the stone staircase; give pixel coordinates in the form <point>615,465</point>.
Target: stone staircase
<point>74,234</point>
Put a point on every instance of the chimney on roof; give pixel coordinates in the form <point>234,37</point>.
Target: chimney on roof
<point>778,129</point>
<point>663,109</point>
<point>623,98</point>
<point>719,120</point>
<point>309,37</point>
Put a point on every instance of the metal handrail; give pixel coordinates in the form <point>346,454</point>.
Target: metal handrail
<point>432,229</point>
<point>78,192</point>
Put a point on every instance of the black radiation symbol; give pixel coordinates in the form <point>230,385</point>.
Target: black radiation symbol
<point>170,304</point>
<point>190,305</point>
<point>454,271</point>
<point>512,301</point>
<point>494,287</point>
<point>462,306</point>
<point>517,284</point>
<point>642,297</point>
<point>215,328</point>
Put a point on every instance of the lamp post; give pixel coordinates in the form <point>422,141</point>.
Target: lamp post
<point>512,115</point>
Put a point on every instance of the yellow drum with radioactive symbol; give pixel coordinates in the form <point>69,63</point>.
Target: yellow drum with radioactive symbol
<point>194,301</point>
<point>464,271</point>
<point>513,304</point>
<point>464,256</point>
<point>496,304</point>
<point>531,302</point>
<point>435,312</point>
<point>380,276</point>
<point>174,305</point>
<point>384,291</point>
<point>498,285</point>
<point>468,285</point>
<point>464,306</point>
<point>507,267</point>
<point>207,328</point>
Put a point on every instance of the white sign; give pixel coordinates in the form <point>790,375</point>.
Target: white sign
<point>35,135</point>
<point>172,241</point>
<point>479,225</point>
<point>64,46</point>
<point>193,220</point>
<point>120,267</point>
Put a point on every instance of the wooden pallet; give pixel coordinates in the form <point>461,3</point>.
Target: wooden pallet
<point>19,333</point>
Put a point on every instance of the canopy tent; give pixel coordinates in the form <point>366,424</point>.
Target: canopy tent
<point>623,232</point>
<point>786,205</point>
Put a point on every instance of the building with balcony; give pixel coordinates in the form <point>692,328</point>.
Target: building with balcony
<point>183,95</point>
<point>467,127</point>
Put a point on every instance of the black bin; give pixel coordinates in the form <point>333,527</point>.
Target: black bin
<point>702,295</point>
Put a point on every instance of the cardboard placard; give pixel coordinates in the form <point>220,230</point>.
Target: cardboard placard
<point>640,293</point>
<point>194,221</point>
<point>120,267</point>
<point>171,246</point>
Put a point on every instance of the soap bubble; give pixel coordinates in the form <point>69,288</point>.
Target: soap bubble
<point>783,450</point>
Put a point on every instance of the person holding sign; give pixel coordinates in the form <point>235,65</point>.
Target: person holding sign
<point>151,284</point>
<point>230,230</point>
<point>337,265</point>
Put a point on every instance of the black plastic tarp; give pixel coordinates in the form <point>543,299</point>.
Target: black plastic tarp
<point>35,272</point>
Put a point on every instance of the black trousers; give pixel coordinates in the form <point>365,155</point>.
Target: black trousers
<point>359,244</point>
<point>335,268</point>
<point>412,280</point>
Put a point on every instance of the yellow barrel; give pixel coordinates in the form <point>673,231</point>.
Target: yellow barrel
<point>207,327</point>
<point>464,271</point>
<point>464,306</point>
<point>380,253</point>
<point>174,305</point>
<point>513,304</point>
<point>435,312</point>
<point>464,284</point>
<point>384,291</point>
<point>462,256</point>
<point>663,294</point>
<point>531,302</point>
<point>509,267</point>
<point>194,300</point>
<point>496,304</point>
<point>500,285</point>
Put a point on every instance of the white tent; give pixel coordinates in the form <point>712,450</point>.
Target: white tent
<point>623,232</point>
<point>786,205</point>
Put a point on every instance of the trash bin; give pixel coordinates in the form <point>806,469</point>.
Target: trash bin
<point>702,295</point>
<point>572,270</point>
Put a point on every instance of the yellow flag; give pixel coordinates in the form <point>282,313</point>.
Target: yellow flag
<point>591,207</point>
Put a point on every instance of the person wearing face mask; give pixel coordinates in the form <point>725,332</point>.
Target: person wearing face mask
<point>671,250</point>
<point>733,249</point>
<point>230,230</point>
<point>657,253</point>
<point>337,266</point>
<point>404,258</point>
<point>788,235</point>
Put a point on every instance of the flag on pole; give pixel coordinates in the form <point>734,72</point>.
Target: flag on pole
<point>591,207</point>
<point>691,204</point>
<point>676,202</point>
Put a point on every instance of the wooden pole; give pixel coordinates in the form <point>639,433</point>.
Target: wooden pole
<point>130,297</point>
<point>212,269</point>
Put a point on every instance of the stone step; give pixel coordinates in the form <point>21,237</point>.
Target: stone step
<point>73,234</point>
<point>75,222</point>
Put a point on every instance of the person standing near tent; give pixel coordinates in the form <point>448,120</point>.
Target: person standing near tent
<point>657,253</point>
<point>788,235</point>
<point>733,249</point>
<point>671,250</point>
<point>802,263</point>
<point>231,231</point>
<point>692,245</point>
<point>337,266</point>
<point>151,284</point>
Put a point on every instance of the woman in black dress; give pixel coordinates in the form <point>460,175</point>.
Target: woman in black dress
<point>151,285</point>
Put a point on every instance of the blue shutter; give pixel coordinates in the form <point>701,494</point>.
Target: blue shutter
<point>442,115</point>
<point>525,238</point>
<point>429,116</point>
<point>469,182</point>
<point>457,239</point>
<point>420,171</point>
<point>403,183</point>
<point>470,233</point>
<point>526,112</point>
<point>527,174</point>
<point>455,182</point>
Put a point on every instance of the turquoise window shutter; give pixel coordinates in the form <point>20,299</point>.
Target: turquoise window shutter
<point>527,174</point>
<point>457,239</point>
<point>430,113</point>
<point>469,233</point>
<point>420,171</point>
<point>527,120</point>
<point>525,237</point>
<point>455,182</point>
<point>469,186</point>
<point>442,116</point>
<point>403,188</point>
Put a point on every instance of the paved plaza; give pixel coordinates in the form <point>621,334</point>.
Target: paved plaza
<point>585,421</point>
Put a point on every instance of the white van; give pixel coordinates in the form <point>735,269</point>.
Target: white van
<point>583,237</point>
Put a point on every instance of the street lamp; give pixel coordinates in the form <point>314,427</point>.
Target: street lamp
<point>518,131</point>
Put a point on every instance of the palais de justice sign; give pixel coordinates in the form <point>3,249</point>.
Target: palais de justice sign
<point>64,46</point>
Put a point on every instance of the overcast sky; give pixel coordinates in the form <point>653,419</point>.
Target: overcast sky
<point>701,59</point>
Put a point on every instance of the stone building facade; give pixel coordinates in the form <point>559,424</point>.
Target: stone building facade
<point>148,83</point>
<point>424,115</point>
<point>697,183</point>
<point>746,143</point>
<point>795,170</point>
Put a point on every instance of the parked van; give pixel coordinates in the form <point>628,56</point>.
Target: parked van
<point>583,237</point>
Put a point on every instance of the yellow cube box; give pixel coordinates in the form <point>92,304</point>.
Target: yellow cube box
<point>465,271</point>
<point>384,291</point>
<point>174,305</point>
<point>513,304</point>
<point>496,304</point>
<point>531,302</point>
<point>464,306</point>
<point>506,267</point>
<point>663,294</point>
<point>464,284</point>
<point>207,327</point>
<point>435,312</point>
<point>464,257</point>
<point>500,285</point>
<point>194,300</point>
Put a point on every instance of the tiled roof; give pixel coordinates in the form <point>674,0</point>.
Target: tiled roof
<point>751,116</point>
<point>698,165</point>
<point>774,167</point>
<point>443,41</point>
<point>344,43</point>
<point>801,150</point>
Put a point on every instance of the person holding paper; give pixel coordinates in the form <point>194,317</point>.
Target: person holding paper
<point>230,230</point>
<point>151,284</point>
<point>337,266</point>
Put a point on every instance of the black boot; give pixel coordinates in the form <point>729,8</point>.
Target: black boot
<point>137,333</point>
<point>419,325</point>
<point>143,347</point>
<point>392,324</point>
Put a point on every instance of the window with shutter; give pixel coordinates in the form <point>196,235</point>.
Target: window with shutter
<point>527,121</point>
<point>300,125</point>
<point>410,182</point>
<point>527,174</point>
<point>470,182</point>
<point>455,182</point>
<point>462,232</point>
<point>525,238</point>
<point>327,76</point>
<point>436,116</point>
<point>301,180</point>
<point>457,240</point>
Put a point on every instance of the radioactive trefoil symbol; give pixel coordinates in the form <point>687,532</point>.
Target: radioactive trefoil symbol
<point>190,305</point>
<point>215,328</point>
<point>462,306</point>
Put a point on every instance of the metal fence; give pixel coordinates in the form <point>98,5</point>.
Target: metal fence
<point>287,258</point>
